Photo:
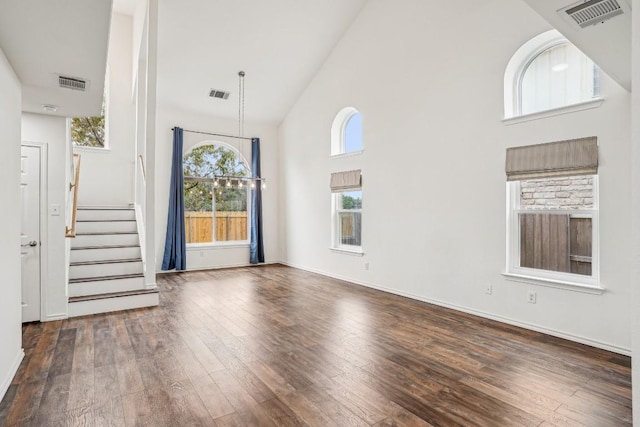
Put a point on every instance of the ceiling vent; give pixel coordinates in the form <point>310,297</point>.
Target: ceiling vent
<point>593,12</point>
<point>221,94</point>
<point>74,83</point>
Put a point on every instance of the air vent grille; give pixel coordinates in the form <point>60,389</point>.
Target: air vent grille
<point>594,12</point>
<point>72,83</point>
<point>221,94</point>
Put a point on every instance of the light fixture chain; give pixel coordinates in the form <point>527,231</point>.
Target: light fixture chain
<point>241,104</point>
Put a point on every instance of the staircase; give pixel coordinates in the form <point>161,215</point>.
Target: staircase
<point>105,270</point>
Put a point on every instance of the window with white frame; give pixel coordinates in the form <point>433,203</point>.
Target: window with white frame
<point>348,211</point>
<point>553,212</point>
<point>546,73</point>
<point>216,199</point>
<point>346,132</point>
<point>346,188</point>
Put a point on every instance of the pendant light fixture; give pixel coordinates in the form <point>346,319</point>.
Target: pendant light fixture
<point>228,180</point>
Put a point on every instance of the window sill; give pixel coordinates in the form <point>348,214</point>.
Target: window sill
<point>587,105</point>
<point>349,154</point>
<point>554,283</point>
<point>348,251</point>
<point>103,150</point>
<point>218,245</point>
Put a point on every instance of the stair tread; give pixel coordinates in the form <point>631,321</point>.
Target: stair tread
<point>79,248</point>
<point>113,295</point>
<point>106,261</point>
<point>106,220</point>
<point>105,233</point>
<point>99,278</point>
<point>105,208</point>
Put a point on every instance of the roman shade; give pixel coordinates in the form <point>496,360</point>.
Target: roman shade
<point>348,180</point>
<point>554,159</point>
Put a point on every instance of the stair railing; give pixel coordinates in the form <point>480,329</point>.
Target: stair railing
<point>70,228</point>
<point>144,174</point>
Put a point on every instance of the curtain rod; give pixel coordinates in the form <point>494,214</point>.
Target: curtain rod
<point>216,134</point>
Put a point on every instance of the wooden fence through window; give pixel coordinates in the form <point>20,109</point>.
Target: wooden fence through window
<point>199,226</point>
<point>556,242</point>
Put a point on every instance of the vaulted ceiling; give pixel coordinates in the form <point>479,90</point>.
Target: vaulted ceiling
<point>280,44</point>
<point>203,44</point>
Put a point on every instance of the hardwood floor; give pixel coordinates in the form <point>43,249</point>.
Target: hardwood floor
<point>278,346</point>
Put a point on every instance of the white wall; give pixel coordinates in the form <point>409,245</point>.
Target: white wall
<point>216,256</point>
<point>429,83</point>
<point>10,306</point>
<point>107,175</point>
<point>52,131</point>
<point>635,110</point>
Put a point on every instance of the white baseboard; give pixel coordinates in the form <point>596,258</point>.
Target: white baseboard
<point>54,317</point>
<point>6,382</point>
<point>560,334</point>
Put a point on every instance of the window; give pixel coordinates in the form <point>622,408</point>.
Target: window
<point>215,195</point>
<point>348,218</point>
<point>346,132</point>
<point>553,219</point>
<point>90,131</point>
<point>553,224</point>
<point>560,75</point>
<point>346,188</point>
<point>547,73</point>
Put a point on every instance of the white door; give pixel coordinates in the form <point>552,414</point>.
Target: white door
<point>30,233</point>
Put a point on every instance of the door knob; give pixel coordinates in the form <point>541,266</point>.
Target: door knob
<point>31,243</point>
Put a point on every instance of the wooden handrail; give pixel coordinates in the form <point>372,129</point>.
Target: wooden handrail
<point>71,231</point>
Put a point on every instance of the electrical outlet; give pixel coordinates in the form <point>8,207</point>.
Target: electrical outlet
<point>489,289</point>
<point>366,265</point>
<point>531,297</point>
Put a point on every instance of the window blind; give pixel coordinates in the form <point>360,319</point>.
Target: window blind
<point>554,159</point>
<point>348,180</point>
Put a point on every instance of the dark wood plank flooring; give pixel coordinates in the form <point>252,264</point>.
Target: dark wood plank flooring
<point>276,346</point>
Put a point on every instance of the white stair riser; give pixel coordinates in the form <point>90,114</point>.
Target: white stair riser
<point>106,227</point>
<point>104,254</point>
<point>82,240</point>
<point>98,287</point>
<point>100,270</point>
<point>84,308</point>
<point>105,214</point>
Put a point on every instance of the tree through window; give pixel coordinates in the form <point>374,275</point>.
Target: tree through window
<point>90,131</point>
<point>215,195</point>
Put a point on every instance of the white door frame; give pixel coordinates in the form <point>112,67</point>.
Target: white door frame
<point>44,215</point>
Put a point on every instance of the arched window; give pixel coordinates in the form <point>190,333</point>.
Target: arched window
<point>215,195</point>
<point>346,132</point>
<point>547,73</point>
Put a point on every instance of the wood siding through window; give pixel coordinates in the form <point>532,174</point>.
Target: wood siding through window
<point>555,242</point>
